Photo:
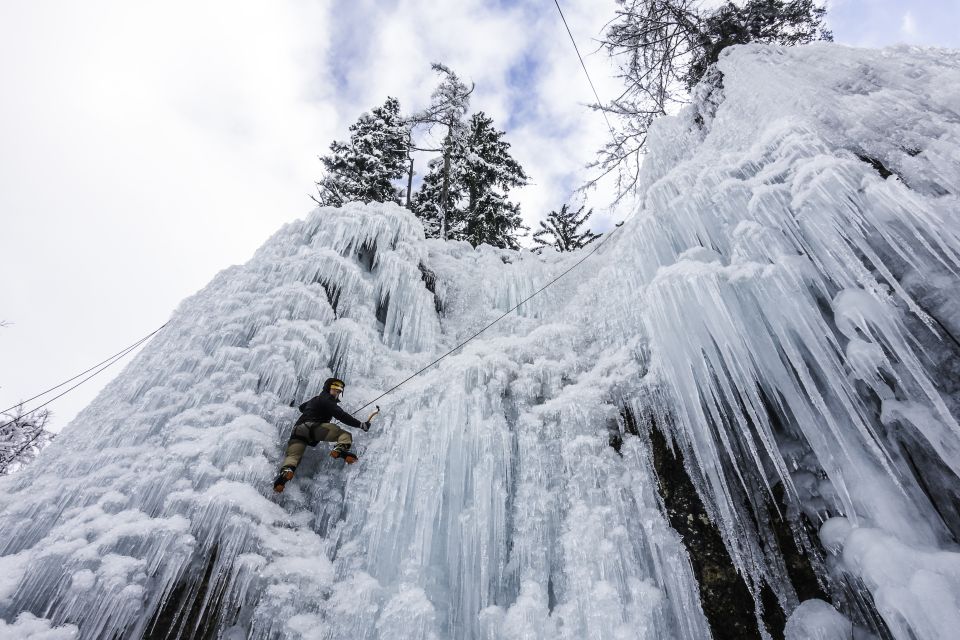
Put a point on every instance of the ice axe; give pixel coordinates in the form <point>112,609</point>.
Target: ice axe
<point>373,415</point>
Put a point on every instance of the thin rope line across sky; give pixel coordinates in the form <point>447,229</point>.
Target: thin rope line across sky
<point>589,79</point>
<point>105,364</point>
<point>43,393</point>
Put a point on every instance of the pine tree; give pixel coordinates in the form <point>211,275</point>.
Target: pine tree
<point>435,204</point>
<point>784,22</point>
<point>489,172</point>
<point>428,201</point>
<point>365,167</point>
<point>22,436</point>
<point>463,194</point>
<point>561,230</point>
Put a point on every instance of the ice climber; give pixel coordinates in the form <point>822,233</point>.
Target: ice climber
<point>314,426</point>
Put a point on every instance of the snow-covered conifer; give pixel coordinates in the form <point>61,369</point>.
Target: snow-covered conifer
<point>473,178</point>
<point>435,204</point>
<point>786,22</point>
<point>22,436</point>
<point>427,203</point>
<point>365,167</point>
<point>489,172</point>
<point>561,230</point>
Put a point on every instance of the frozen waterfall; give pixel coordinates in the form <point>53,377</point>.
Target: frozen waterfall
<point>777,327</point>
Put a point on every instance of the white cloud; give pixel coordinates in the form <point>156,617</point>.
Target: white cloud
<point>908,25</point>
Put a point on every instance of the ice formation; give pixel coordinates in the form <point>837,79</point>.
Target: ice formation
<point>783,306</point>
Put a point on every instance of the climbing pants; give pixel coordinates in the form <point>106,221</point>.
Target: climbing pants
<point>309,434</point>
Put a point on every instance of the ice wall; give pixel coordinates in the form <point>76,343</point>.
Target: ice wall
<point>783,306</point>
<point>801,243</point>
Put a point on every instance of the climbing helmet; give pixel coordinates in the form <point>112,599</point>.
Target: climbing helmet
<point>334,384</point>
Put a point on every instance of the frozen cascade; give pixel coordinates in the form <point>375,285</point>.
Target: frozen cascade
<point>783,307</point>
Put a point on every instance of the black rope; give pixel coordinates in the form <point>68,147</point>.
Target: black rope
<point>502,316</point>
<point>105,364</point>
<point>43,393</point>
<point>589,79</point>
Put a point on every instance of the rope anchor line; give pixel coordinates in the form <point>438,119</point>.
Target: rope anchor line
<point>103,365</point>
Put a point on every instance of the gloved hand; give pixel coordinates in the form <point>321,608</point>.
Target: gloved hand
<point>365,426</point>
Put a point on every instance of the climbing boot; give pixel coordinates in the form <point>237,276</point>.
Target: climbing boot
<point>285,475</point>
<point>343,451</point>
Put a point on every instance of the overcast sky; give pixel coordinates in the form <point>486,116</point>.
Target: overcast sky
<point>146,146</point>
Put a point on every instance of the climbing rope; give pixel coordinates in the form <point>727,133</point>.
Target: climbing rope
<point>120,354</point>
<point>589,79</point>
<point>104,365</point>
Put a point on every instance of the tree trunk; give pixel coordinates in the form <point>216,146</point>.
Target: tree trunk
<point>445,193</point>
<point>409,182</point>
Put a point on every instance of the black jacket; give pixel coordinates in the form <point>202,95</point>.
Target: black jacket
<point>323,408</point>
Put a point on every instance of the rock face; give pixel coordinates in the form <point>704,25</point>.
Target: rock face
<point>724,596</point>
<point>767,344</point>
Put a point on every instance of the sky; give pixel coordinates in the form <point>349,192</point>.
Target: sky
<point>146,146</point>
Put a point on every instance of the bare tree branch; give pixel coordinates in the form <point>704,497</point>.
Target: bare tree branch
<point>22,436</point>
<point>665,47</point>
